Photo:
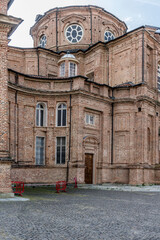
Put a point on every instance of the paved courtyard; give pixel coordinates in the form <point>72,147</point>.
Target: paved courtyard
<point>81,214</point>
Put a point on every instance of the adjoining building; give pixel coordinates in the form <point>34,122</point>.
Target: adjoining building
<point>84,102</point>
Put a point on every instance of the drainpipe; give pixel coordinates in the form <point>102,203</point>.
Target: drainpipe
<point>112,128</point>
<point>107,65</point>
<point>70,125</point>
<point>37,61</point>
<point>90,23</point>
<point>143,55</point>
<point>15,127</point>
<point>9,127</point>
<point>112,109</point>
<point>57,29</point>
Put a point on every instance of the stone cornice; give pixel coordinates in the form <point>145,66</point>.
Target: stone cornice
<point>82,92</point>
<point>10,21</point>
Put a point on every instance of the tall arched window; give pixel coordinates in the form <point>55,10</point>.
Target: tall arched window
<point>61,115</point>
<point>40,115</point>
<point>158,77</point>
<point>72,69</point>
<point>62,69</point>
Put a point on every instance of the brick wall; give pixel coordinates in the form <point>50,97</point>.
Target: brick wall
<point>3,6</point>
<point>130,153</point>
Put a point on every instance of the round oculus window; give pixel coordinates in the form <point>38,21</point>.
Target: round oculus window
<point>43,41</point>
<point>108,36</point>
<point>74,33</point>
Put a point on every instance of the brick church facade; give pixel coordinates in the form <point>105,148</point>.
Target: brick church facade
<point>84,102</point>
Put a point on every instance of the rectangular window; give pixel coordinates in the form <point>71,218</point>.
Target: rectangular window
<point>40,150</point>
<point>64,118</point>
<point>89,119</point>
<point>62,70</point>
<point>72,69</point>
<point>59,117</point>
<point>41,118</point>
<point>37,117</point>
<point>61,150</point>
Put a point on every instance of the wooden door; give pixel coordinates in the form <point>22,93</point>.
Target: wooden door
<point>89,168</point>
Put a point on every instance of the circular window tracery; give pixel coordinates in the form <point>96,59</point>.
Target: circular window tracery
<point>43,41</point>
<point>74,33</point>
<point>108,36</point>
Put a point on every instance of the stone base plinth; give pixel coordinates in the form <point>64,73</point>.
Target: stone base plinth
<point>5,177</point>
<point>6,195</point>
<point>136,176</point>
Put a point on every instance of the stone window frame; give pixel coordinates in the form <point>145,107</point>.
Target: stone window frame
<point>38,119</point>
<point>61,150</point>
<point>37,161</point>
<point>62,114</point>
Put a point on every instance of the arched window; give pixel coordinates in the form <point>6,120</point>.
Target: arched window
<point>108,36</point>
<point>158,77</point>
<point>62,69</point>
<point>40,115</point>
<point>43,41</point>
<point>72,69</point>
<point>61,115</point>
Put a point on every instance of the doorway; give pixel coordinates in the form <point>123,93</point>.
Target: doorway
<point>88,168</point>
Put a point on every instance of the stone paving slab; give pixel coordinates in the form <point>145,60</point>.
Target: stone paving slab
<point>122,187</point>
<point>81,214</point>
<point>14,199</point>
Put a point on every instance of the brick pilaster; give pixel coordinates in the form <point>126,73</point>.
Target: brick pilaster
<point>5,164</point>
<point>3,92</point>
<point>3,6</point>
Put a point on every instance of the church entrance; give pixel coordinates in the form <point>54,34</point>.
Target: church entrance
<point>88,168</point>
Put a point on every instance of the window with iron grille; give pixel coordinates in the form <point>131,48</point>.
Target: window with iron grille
<point>60,150</point>
<point>61,115</point>
<point>40,150</point>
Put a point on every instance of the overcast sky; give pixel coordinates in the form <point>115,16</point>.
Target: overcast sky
<point>134,12</point>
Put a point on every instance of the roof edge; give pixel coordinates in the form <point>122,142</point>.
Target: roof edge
<point>43,77</point>
<point>79,6</point>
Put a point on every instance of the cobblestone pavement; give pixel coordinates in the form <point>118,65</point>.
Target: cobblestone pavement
<point>81,214</point>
